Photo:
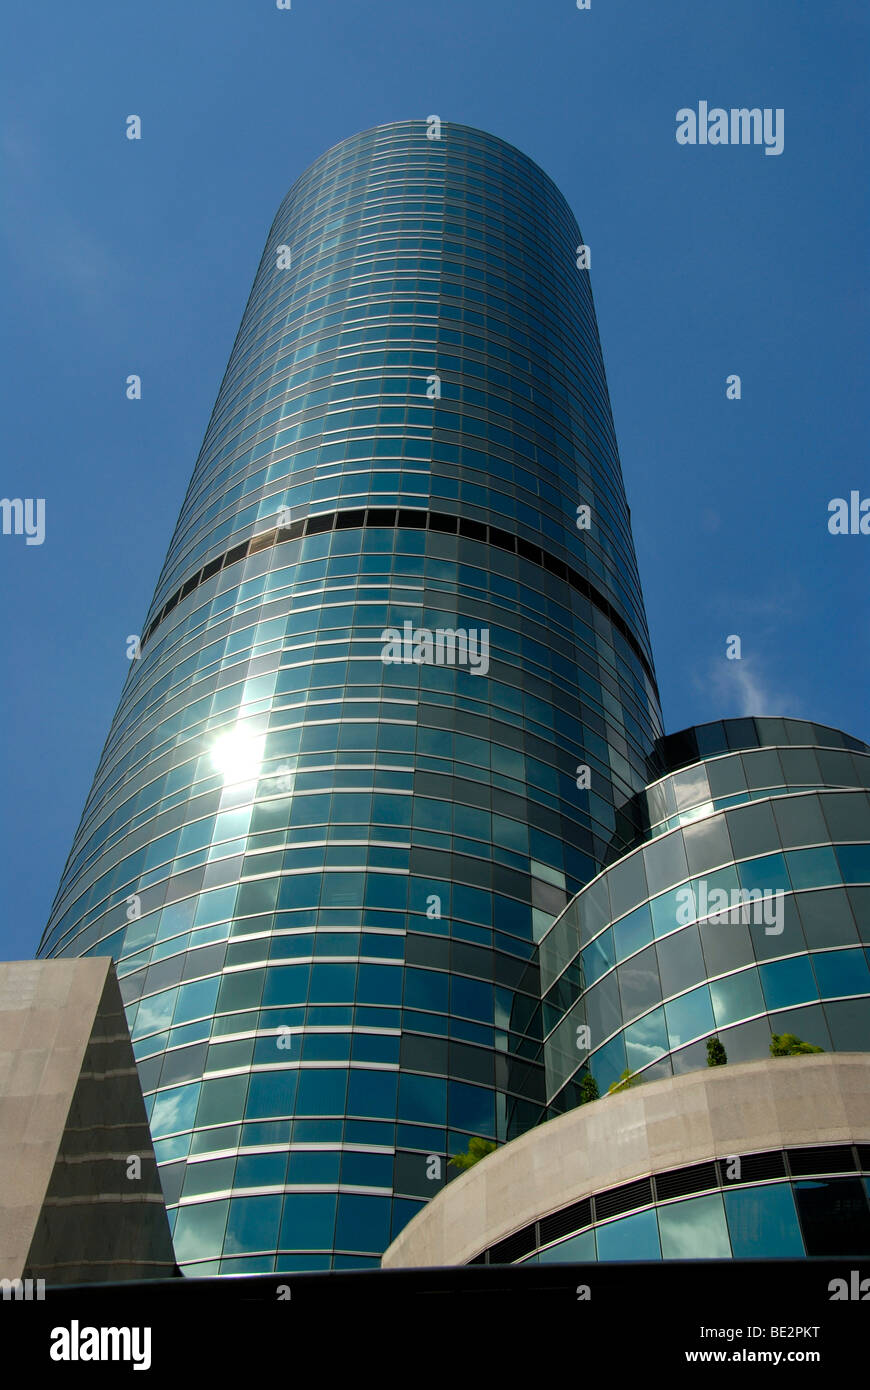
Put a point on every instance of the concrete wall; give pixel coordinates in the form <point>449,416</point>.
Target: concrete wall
<point>710,1113</point>
<point>71,1114</point>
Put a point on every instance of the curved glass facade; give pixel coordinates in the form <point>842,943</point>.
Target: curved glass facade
<point>323,874</point>
<point>743,910</point>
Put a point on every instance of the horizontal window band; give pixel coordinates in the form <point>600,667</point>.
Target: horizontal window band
<point>417,519</point>
<point>790,1165</point>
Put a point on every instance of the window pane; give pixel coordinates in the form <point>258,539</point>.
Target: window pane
<point>736,996</point>
<point>763,1222</point>
<point>694,1230</point>
<point>632,1238</point>
<point>787,982</point>
<point>834,1216</point>
<point>575,1250</point>
<point>690,1016</point>
<point>308,1221</point>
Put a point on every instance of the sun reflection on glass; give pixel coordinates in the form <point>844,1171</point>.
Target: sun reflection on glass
<point>238,754</point>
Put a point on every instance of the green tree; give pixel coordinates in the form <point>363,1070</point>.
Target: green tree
<point>588,1089</point>
<point>625,1081</point>
<point>477,1149</point>
<point>716,1054</point>
<point>787,1045</point>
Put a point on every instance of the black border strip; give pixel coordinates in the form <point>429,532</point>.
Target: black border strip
<point>443,522</point>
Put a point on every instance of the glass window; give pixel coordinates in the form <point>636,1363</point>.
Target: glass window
<point>736,996</point>
<point>669,910</point>
<point>809,868</point>
<point>690,1016</point>
<point>788,982</point>
<point>288,984</point>
<point>767,874</point>
<point>800,820</point>
<point>690,788</point>
<point>854,863</point>
<point>332,984</point>
<point>222,1100</point>
<point>271,1093</point>
<point>763,768</point>
<point>379,984</point>
<point>597,957</point>
<point>472,1108</point>
<point>847,815</point>
<point>665,861</point>
<point>841,972</point>
<point>321,1167</point>
<point>849,1022</point>
<point>646,1040</point>
<point>322,1091</point>
<point>681,963</point>
<point>308,1221</point>
<point>694,1229</point>
<point>726,777</point>
<point>632,932</point>
<point>834,1216</point>
<point>608,1063</point>
<point>632,1238</point>
<point>260,1170</point>
<point>575,1250</point>
<point>175,1109</point>
<point>752,829</point>
<point>422,1099</point>
<point>763,1222</point>
<point>639,985</point>
<point>707,844</point>
<point>363,1223</point>
<point>199,1231</point>
<point>827,917</point>
<point>627,884</point>
<point>253,1224</point>
<point>426,989</point>
<point>603,1013</point>
<point>725,947</point>
<point>367,1170</point>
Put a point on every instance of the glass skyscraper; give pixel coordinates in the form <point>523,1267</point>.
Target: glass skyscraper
<point>323,872</point>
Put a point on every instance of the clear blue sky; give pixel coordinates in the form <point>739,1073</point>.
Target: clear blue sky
<point>125,257</point>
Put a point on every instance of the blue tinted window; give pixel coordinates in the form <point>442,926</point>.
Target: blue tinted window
<point>308,1221</point>
<point>597,957</point>
<point>363,1223</point>
<point>841,972</point>
<point>472,1108</point>
<point>767,874</point>
<point>422,1099</point>
<point>633,932</point>
<point>322,1091</point>
<point>632,1238</point>
<point>763,1222</point>
<point>372,1093</point>
<point>574,1250</point>
<point>808,868</point>
<point>788,982</point>
<point>854,862</point>
<point>690,1016</point>
<point>253,1224</point>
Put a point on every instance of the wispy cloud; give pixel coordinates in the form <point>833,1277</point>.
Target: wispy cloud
<point>743,687</point>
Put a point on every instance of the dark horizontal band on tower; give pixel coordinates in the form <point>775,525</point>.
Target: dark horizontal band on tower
<point>420,520</point>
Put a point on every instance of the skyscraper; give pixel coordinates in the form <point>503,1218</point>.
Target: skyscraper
<point>393,686</point>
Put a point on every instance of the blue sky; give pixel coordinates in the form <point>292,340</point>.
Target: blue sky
<point>125,257</point>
